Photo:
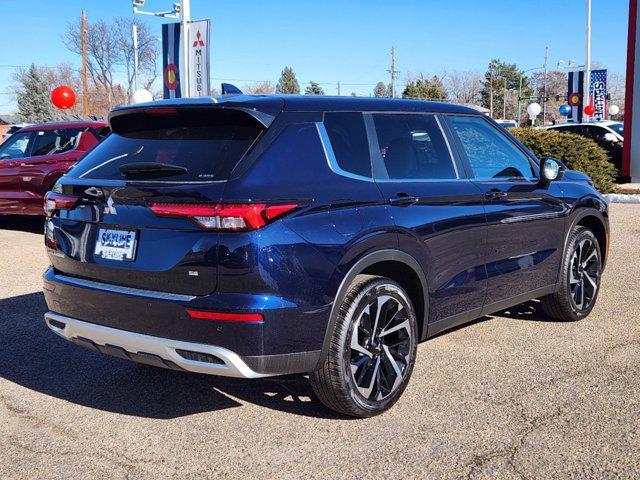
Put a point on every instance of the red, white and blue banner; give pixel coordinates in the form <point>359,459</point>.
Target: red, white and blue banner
<point>171,60</point>
<point>598,93</point>
<point>575,95</point>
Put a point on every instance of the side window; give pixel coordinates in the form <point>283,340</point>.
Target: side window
<point>412,146</point>
<point>348,138</point>
<point>490,154</point>
<point>48,142</point>
<point>16,146</point>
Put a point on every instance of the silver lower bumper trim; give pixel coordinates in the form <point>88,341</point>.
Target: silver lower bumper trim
<point>136,345</point>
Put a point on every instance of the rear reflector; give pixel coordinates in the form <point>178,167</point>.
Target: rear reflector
<point>225,216</point>
<point>226,317</point>
<point>58,201</point>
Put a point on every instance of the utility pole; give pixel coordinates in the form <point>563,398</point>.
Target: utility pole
<point>338,88</point>
<point>85,89</point>
<point>587,73</point>
<point>134,29</point>
<point>544,85</point>
<point>393,73</point>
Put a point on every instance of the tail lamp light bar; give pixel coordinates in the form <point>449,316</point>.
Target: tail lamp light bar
<point>225,217</point>
<point>57,201</point>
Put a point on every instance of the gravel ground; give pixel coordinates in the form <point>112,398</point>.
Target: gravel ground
<point>509,396</point>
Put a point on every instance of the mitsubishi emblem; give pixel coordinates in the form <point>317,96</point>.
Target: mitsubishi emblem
<point>110,208</point>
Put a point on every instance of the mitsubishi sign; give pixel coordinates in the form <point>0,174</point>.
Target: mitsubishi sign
<point>199,55</point>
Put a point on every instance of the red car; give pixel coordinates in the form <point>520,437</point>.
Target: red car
<point>32,159</point>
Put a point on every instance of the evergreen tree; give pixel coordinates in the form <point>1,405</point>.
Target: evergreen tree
<point>381,90</point>
<point>425,89</point>
<point>314,89</point>
<point>288,82</point>
<point>503,76</point>
<point>34,104</point>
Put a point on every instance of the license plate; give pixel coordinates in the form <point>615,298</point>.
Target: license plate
<point>114,244</point>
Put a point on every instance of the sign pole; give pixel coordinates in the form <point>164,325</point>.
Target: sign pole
<point>185,18</point>
<point>587,73</point>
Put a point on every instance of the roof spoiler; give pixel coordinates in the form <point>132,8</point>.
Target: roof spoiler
<point>228,89</point>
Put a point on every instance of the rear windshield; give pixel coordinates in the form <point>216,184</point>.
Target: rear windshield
<point>209,144</point>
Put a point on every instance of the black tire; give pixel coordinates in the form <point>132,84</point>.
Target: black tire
<point>577,278</point>
<point>348,373</point>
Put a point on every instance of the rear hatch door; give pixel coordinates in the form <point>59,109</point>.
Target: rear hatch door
<point>102,224</point>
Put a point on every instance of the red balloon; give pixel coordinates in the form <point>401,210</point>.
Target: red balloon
<point>589,109</point>
<point>63,97</point>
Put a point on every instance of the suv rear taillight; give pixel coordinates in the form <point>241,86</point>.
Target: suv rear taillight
<point>57,201</point>
<point>234,217</point>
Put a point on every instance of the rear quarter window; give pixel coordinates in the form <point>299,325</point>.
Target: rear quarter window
<point>348,137</point>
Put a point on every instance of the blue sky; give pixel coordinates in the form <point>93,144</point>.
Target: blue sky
<point>346,41</point>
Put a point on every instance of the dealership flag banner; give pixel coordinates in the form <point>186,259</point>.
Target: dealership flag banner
<point>598,93</point>
<point>199,54</point>
<point>171,60</point>
<point>575,95</point>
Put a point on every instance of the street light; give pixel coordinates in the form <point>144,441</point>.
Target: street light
<point>181,10</point>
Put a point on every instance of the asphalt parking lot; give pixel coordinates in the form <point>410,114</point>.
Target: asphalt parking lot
<point>509,396</point>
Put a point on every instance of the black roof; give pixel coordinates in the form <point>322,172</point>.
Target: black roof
<point>273,104</point>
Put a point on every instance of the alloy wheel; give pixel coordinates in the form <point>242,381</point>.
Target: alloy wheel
<point>584,275</point>
<point>380,344</point>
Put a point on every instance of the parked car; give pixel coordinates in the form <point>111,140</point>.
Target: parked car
<point>32,159</point>
<point>607,134</point>
<point>507,123</point>
<point>13,129</point>
<point>268,235</point>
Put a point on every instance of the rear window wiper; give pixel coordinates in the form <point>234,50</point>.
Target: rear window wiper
<point>151,170</point>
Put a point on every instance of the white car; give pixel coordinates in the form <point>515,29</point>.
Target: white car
<point>605,130</point>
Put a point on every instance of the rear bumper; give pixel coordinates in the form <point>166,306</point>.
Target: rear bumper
<point>160,352</point>
<point>114,320</point>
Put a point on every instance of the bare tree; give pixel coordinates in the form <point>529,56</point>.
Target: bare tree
<point>617,89</point>
<point>464,86</point>
<point>263,87</point>
<point>556,89</point>
<point>103,53</point>
<point>110,51</point>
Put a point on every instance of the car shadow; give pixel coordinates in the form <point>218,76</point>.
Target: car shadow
<point>34,357</point>
<point>530,311</point>
<point>22,223</point>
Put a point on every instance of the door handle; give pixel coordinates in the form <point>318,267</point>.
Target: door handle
<point>403,200</point>
<point>495,194</point>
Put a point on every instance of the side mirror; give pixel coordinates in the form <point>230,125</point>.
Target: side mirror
<point>550,170</point>
<point>610,137</point>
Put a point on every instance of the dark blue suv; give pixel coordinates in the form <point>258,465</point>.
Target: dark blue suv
<point>251,236</point>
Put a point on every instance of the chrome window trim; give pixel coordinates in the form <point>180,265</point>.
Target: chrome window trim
<point>331,156</point>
